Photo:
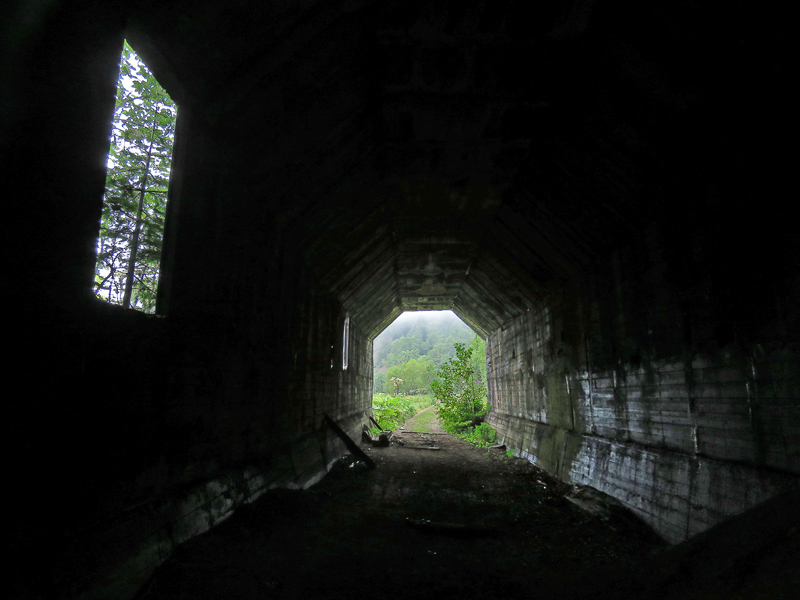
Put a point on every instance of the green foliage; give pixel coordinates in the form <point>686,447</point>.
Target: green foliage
<point>393,411</point>
<point>478,358</point>
<point>412,377</point>
<point>135,199</point>
<point>482,435</point>
<point>412,349</point>
<point>510,453</point>
<point>485,433</point>
<point>421,402</point>
<point>460,396</point>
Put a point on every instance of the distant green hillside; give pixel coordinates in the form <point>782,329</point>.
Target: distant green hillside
<point>414,346</point>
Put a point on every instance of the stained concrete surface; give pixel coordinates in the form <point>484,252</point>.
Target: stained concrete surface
<point>464,522</point>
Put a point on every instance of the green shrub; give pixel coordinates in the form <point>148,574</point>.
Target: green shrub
<point>482,435</point>
<point>485,433</point>
<point>393,411</point>
<point>461,398</point>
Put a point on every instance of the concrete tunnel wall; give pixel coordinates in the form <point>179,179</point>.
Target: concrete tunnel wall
<point>624,252</point>
<point>138,431</point>
<point>624,384</point>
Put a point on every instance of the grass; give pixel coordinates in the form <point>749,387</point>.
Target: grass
<point>425,422</point>
<point>421,402</point>
<point>393,411</point>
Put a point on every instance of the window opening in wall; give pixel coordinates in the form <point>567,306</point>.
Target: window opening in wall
<point>418,349</point>
<point>135,199</point>
<point>345,342</point>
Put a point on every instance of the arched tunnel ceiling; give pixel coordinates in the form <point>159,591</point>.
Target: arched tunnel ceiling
<point>432,156</point>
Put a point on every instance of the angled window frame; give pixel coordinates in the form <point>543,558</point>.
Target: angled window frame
<point>141,200</point>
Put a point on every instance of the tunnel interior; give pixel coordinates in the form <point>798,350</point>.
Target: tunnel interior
<point>598,189</point>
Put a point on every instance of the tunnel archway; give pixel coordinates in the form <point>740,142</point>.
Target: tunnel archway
<point>594,189</point>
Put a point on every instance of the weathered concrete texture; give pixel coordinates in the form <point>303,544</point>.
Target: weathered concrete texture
<point>214,413</point>
<point>684,443</point>
<point>114,559</point>
<point>216,448</point>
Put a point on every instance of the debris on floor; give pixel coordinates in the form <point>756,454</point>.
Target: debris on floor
<point>594,502</point>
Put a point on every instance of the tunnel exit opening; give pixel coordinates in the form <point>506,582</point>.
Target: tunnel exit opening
<point>429,373</point>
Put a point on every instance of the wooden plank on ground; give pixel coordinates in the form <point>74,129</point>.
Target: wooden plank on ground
<point>351,445</point>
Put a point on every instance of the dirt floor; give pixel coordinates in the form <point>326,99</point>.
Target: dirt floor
<point>437,518</point>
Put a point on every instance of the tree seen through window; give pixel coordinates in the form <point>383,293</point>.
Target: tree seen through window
<point>134,204</point>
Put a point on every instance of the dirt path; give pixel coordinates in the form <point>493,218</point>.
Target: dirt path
<point>424,421</point>
<point>437,518</point>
